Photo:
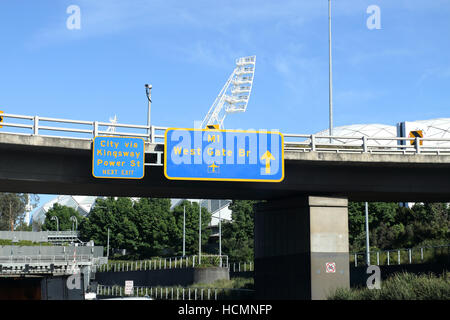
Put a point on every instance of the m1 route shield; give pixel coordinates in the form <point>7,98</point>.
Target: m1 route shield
<point>223,155</point>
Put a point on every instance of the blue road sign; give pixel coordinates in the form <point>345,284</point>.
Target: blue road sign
<point>118,157</point>
<point>223,155</point>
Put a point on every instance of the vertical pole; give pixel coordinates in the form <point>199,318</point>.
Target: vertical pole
<point>184,230</point>
<point>220,239</point>
<point>330,71</point>
<point>149,98</point>
<point>367,235</point>
<point>388,257</point>
<point>107,246</point>
<point>10,216</point>
<point>199,232</point>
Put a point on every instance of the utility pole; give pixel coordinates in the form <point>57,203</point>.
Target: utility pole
<point>367,236</point>
<point>184,230</point>
<point>148,91</point>
<point>330,72</point>
<point>199,232</point>
<point>10,216</point>
<point>220,239</point>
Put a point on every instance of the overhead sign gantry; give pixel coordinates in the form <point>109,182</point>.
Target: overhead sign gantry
<point>118,157</point>
<point>223,155</point>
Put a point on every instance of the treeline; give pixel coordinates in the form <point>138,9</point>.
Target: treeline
<point>144,228</point>
<point>392,226</point>
<point>148,227</point>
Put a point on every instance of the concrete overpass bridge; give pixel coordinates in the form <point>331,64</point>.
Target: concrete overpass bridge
<point>300,229</point>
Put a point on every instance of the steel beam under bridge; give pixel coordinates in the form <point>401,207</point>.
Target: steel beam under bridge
<point>36,164</point>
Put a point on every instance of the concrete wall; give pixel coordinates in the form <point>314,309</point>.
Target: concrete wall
<point>64,166</point>
<point>41,236</point>
<point>55,288</point>
<point>294,239</point>
<point>39,288</point>
<point>163,277</point>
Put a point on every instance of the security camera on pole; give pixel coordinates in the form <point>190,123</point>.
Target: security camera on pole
<point>148,91</point>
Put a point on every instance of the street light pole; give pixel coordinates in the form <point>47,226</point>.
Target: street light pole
<point>330,72</point>
<point>57,222</point>
<point>74,219</point>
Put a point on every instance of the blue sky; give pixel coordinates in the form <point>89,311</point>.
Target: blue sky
<point>187,49</point>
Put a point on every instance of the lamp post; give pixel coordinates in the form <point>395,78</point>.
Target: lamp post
<point>57,222</point>
<point>74,219</point>
<point>148,91</point>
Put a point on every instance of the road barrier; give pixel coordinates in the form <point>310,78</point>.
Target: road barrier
<point>87,130</point>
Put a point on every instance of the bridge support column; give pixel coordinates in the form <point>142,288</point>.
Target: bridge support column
<point>295,239</point>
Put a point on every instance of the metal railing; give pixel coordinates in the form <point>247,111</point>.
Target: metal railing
<point>422,254</point>
<point>242,266</point>
<point>175,293</point>
<point>401,256</point>
<point>84,130</point>
<point>87,130</point>
<point>44,259</point>
<point>165,263</point>
<point>63,233</point>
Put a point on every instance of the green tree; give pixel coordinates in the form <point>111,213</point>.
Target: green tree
<point>192,225</point>
<point>237,239</point>
<point>13,208</point>
<point>116,215</point>
<point>155,225</point>
<point>63,213</point>
<point>392,226</point>
<point>24,227</point>
<point>381,215</point>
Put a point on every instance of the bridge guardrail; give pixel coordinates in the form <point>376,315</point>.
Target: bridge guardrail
<point>87,130</point>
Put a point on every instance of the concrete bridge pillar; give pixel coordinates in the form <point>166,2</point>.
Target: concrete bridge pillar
<point>301,247</point>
